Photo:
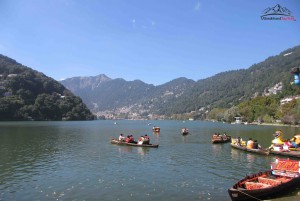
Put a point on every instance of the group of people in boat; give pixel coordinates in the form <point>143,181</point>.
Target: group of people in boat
<point>218,135</point>
<point>280,144</point>
<point>144,139</point>
<point>250,144</point>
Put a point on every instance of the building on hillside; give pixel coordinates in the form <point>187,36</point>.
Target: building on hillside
<point>289,99</point>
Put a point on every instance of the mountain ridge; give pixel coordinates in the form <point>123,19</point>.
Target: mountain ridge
<point>183,95</point>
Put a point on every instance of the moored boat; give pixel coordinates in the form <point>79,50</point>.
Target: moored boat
<point>295,154</point>
<point>118,142</point>
<point>285,147</point>
<point>220,138</point>
<point>283,177</point>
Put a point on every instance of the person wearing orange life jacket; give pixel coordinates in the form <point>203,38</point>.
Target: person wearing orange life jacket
<point>250,143</point>
<point>127,140</point>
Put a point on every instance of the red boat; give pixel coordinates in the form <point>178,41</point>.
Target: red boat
<point>283,177</point>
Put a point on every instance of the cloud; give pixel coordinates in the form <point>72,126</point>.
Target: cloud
<point>197,6</point>
<point>133,21</point>
<point>153,23</point>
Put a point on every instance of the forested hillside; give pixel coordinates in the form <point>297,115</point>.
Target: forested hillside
<point>230,88</point>
<point>183,95</point>
<point>26,94</point>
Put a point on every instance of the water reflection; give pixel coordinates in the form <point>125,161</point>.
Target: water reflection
<point>77,161</point>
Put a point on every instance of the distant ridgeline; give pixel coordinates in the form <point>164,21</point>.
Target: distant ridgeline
<point>183,95</point>
<point>26,94</point>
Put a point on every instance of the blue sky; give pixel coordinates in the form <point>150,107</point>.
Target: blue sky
<point>155,41</point>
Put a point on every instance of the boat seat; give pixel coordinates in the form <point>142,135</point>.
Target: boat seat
<point>255,185</point>
<point>272,182</point>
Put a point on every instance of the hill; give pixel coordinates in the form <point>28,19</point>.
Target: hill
<point>183,95</point>
<point>26,94</point>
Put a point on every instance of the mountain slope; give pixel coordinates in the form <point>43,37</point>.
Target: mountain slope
<point>28,94</point>
<point>228,88</point>
<point>183,95</point>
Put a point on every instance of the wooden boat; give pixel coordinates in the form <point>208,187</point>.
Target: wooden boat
<point>156,129</point>
<point>116,141</point>
<point>257,151</point>
<point>295,154</point>
<point>184,131</point>
<point>283,177</point>
<point>220,139</point>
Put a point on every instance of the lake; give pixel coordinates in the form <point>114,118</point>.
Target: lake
<point>75,161</point>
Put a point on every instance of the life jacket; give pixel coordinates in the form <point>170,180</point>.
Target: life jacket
<point>250,144</point>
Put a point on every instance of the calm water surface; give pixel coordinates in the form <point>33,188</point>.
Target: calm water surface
<point>75,161</point>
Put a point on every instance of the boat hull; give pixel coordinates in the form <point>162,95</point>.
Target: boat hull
<point>240,194</point>
<point>216,140</point>
<point>295,154</point>
<point>117,142</point>
<point>257,151</point>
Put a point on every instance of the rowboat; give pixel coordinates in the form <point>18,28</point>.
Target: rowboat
<point>116,141</point>
<point>184,131</point>
<point>156,129</point>
<point>220,139</point>
<point>282,178</point>
<point>257,151</point>
<point>295,154</point>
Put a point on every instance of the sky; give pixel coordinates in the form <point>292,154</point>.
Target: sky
<point>155,41</point>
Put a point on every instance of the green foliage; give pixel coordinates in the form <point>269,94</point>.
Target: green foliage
<point>259,109</point>
<point>27,94</point>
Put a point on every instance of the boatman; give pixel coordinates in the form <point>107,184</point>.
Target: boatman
<point>121,137</point>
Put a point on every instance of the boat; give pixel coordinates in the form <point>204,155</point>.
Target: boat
<point>281,147</point>
<point>284,176</point>
<point>220,139</point>
<point>184,131</point>
<point>257,151</point>
<point>295,154</point>
<point>156,129</point>
<point>118,142</point>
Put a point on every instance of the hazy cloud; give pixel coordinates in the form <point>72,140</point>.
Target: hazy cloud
<point>153,23</point>
<point>197,6</point>
<point>133,22</point>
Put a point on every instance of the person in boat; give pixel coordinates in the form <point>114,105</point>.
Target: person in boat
<point>250,143</point>
<point>127,140</point>
<point>293,142</point>
<point>146,139</point>
<point>239,141</point>
<point>256,145</point>
<point>141,140</point>
<point>131,139</point>
<point>224,136</point>
<point>121,138</point>
<point>286,146</point>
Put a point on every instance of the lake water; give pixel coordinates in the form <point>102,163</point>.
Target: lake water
<point>75,161</point>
